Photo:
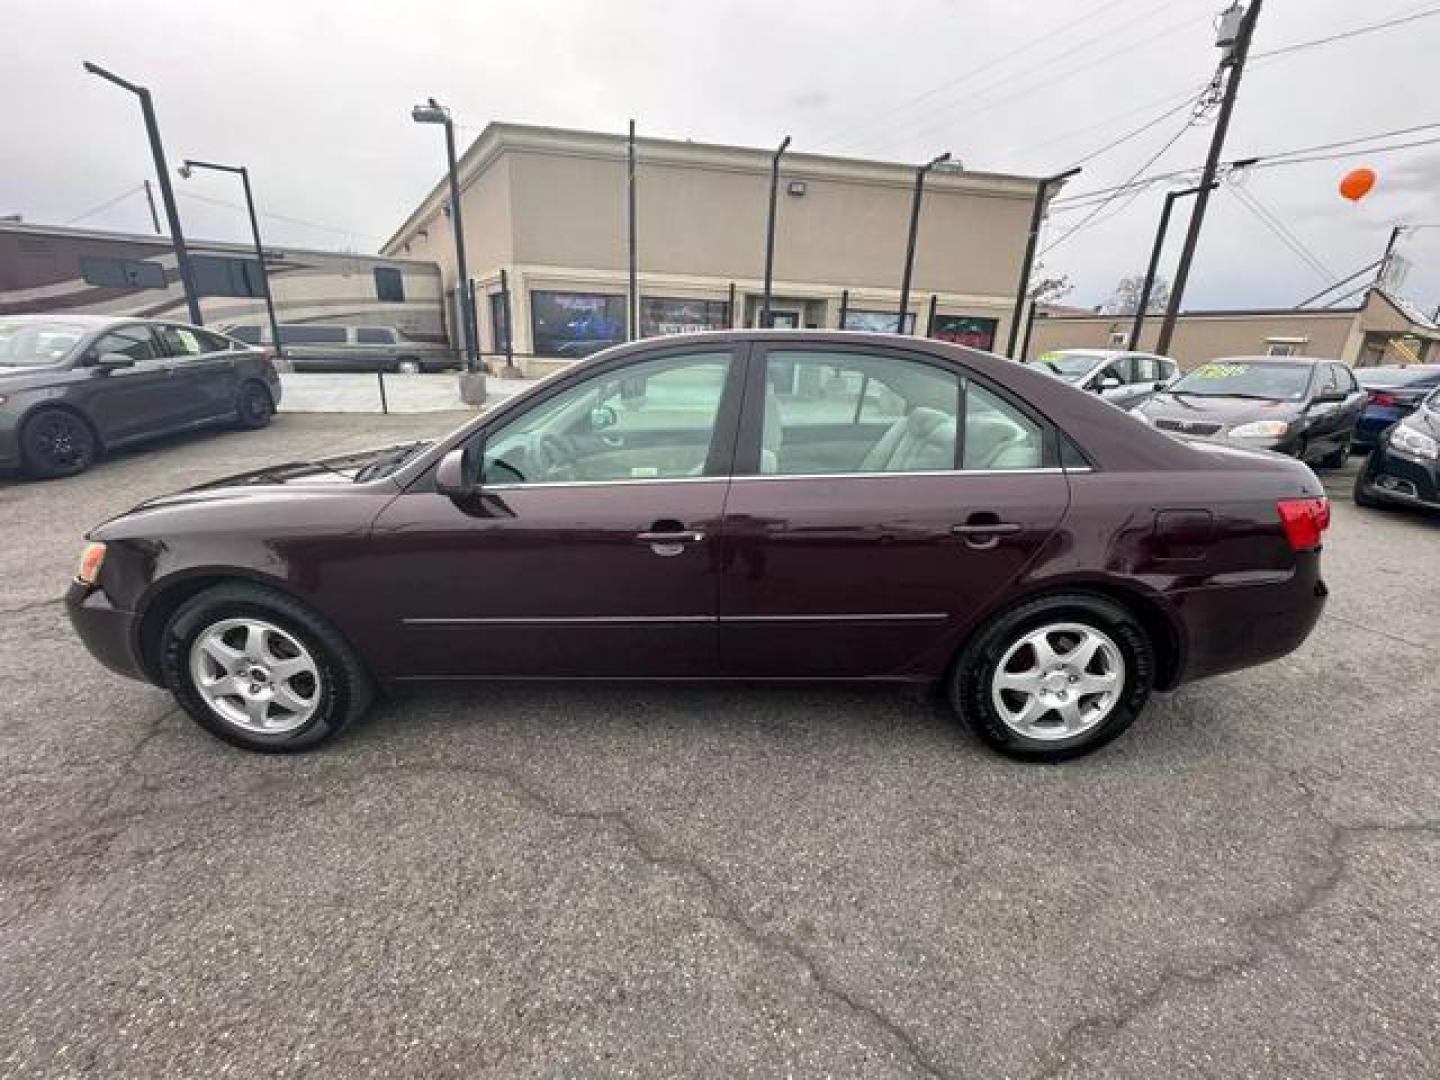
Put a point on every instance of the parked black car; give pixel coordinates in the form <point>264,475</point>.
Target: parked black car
<point>1306,409</point>
<point>74,386</point>
<point>1404,467</point>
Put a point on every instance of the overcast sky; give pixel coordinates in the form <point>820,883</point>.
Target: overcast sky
<point>315,98</point>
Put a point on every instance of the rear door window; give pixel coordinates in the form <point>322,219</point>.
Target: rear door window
<point>136,342</point>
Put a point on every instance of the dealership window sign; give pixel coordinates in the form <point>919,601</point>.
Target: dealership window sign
<point>877,322</point>
<point>965,330</point>
<point>660,316</point>
<point>569,325</point>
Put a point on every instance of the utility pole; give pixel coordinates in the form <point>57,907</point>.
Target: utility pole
<point>910,243</point>
<point>432,112</point>
<point>167,193</point>
<point>1385,259</point>
<point>634,313</point>
<point>1237,50</point>
<point>150,202</point>
<point>1027,261</point>
<point>1155,251</point>
<point>770,231</point>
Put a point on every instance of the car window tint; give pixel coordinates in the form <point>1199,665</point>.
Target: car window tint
<point>213,343</point>
<point>844,411</point>
<point>1347,379</point>
<point>1329,380</point>
<point>181,341</point>
<point>135,342</point>
<point>366,335</point>
<point>1147,369</point>
<point>248,334</point>
<point>652,420</point>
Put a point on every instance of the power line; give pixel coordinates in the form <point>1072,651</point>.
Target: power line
<point>278,217</point>
<point>108,203</point>
<point>1345,35</point>
<point>1186,104</point>
<point>1188,94</point>
<point>867,124</point>
<point>1299,252</point>
<point>1349,153</point>
<point>1283,226</point>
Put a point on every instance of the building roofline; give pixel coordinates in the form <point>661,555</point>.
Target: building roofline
<point>1216,313</point>
<point>66,231</point>
<point>498,137</point>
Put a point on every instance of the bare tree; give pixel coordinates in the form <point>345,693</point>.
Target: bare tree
<point>1049,288</point>
<point>1125,299</point>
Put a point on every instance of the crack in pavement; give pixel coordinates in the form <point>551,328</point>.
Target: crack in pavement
<point>33,605</point>
<point>1372,630</point>
<point>650,848</point>
<point>1265,927</point>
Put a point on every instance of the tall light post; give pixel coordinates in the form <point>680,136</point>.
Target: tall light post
<point>1027,261</point>
<point>1155,252</point>
<point>432,112</point>
<point>187,170</point>
<point>167,194</point>
<point>914,231</point>
<point>770,230</point>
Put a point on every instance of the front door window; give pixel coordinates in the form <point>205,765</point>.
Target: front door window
<point>652,420</point>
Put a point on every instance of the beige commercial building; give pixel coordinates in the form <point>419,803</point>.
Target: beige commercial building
<point>1382,330</point>
<point>549,208</point>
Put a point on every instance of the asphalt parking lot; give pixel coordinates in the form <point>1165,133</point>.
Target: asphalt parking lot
<point>716,881</point>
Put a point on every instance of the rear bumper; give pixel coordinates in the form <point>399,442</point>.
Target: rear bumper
<point>1230,627</point>
<point>109,633</point>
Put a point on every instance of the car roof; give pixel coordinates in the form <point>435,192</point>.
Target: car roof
<point>1275,360</point>
<point>100,322</point>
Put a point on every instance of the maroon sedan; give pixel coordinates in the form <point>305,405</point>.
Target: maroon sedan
<point>728,506</point>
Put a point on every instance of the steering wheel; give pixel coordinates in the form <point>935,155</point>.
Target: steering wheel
<point>550,456</point>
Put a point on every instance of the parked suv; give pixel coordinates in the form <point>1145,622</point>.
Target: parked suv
<point>74,386</point>
<point>1121,378</point>
<point>332,347</point>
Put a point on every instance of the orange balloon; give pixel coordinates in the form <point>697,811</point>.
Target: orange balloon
<point>1356,184</point>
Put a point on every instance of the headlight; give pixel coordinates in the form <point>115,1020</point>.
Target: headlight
<point>1412,441</point>
<point>1261,429</point>
<point>91,559</point>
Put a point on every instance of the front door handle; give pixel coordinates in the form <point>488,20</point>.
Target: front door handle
<point>681,537</point>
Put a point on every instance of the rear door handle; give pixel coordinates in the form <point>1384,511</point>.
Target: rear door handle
<point>682,537</point>
<point>996,528</point>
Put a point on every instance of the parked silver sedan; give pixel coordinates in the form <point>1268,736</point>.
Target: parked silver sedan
<point>1122,378</point>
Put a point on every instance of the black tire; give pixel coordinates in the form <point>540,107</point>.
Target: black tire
<point>975,668</point>
<point>1362,494</point>
<point>55,443</point>
<point>253,406</point>
<point>341,685</point>
<point>1337,458</point>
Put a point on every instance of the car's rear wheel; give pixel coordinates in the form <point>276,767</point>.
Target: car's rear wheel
<point>56,442</point>
<point>253,406</point>
<point>259,669</point>
<point>1055,677</point>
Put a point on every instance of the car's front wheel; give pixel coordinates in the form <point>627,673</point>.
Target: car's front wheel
<point>1055,677</point>
<point>56,442</point>
<point>253,406</point>
<point>259,669</point>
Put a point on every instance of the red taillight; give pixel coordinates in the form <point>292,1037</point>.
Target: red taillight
<point>1379,397</point>
<point>1304,521</point>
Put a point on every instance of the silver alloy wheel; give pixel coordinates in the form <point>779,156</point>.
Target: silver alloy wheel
<point>1058,681</point>
<point>256,676</point>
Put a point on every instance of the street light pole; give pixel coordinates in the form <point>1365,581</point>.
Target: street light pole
<point>1155,251</point>
<point>1236,62</point>
<point>167,194</point>
<point>910,243</point>
<point>432,112</point>
<point>1027,261</point>
<point>186,170</point>
<point>770,231</point>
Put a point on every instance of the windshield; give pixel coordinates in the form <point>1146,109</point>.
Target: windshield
<point>30,342</point>
<point>1072,367</point>
<point>1232,378</point>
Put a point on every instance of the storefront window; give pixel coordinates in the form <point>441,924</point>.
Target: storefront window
<point>661,315</point>
<point>877,322</point>
<point>570,325</point>
<point>499,324</point>
<point>965,330</point>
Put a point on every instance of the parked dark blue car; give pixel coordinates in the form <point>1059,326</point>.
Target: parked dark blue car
<point>1394,392</point>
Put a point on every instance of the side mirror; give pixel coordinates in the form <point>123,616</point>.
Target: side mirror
<point>450,478</point>
<point>111,360</point>
<point>1108,382</point>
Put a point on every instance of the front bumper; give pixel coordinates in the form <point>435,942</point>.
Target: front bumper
<point>1399,479</point>
<point>109,633</point>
